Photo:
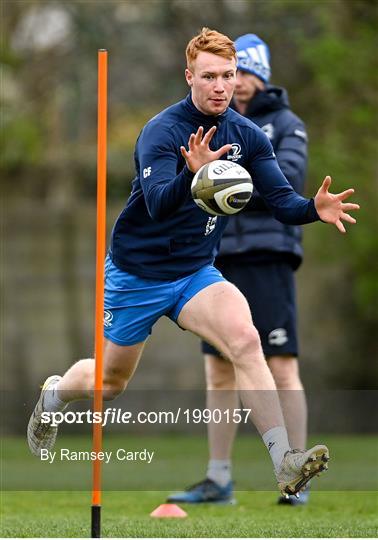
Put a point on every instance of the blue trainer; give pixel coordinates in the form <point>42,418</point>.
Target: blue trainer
<point>294,501</point>
<point>206,491</point>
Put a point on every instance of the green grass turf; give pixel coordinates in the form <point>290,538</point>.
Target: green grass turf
<point>126,514</point>
<point>346,506</point>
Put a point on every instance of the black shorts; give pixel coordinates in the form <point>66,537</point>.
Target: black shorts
<point>270,291</point>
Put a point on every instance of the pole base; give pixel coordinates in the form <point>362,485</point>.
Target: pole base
<point>96,521</point>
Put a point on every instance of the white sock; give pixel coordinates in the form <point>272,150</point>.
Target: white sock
<point>51,400</point>
<point>219,471</point>
<point>277,443</point>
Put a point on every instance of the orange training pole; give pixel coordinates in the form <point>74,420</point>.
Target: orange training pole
<point>100,256</point>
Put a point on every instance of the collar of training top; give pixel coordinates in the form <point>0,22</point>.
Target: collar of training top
<point>205,120</point>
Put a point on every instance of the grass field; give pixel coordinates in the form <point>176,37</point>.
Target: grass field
<point>332,512</point>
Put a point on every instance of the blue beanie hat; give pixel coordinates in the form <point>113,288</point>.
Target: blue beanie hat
<point>253,56</point>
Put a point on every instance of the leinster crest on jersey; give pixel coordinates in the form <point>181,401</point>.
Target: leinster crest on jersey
<point>235,152</point>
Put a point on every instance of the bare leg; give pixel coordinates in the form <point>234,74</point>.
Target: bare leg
<point>293,400</point>
<point>119,366</point>
<point>220,315</point>
<point>78,383</point>
<point>222,395</point>
<point>220,379</point>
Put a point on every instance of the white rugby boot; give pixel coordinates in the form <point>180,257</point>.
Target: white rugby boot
<point>298,467</point>
<point>42,435</point>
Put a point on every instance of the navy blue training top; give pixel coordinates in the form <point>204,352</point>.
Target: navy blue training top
<point>161,233</point>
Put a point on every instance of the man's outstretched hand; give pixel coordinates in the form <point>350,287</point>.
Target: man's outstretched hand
<point>199,151</point>
<point>331,208</point>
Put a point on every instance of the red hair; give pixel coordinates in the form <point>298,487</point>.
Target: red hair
<point>209,41</point>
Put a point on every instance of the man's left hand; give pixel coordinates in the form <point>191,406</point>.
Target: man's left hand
<point>331,208</point>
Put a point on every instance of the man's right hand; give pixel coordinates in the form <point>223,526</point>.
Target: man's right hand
<point>199,152</point>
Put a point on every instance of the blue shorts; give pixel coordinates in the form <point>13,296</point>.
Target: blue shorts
<point>134,304</point>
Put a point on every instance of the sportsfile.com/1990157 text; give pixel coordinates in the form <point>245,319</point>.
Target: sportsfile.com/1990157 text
<point>113,415</point>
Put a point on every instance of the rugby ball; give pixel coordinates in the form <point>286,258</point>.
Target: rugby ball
<point>222,188</point>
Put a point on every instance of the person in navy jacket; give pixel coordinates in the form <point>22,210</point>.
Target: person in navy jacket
<point>259,254</point>
<point>163,248</point>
